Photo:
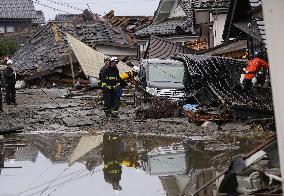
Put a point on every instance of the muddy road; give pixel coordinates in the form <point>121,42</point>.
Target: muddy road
<point>59,110</point>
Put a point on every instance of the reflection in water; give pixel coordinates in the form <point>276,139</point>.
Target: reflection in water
<point>1,158</point>
<point>112,152</point>
<point>69,164</point>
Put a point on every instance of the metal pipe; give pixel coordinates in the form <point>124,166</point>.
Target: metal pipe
<point>273,18</point>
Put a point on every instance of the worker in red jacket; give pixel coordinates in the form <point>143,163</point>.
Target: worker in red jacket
<point>254,66</point>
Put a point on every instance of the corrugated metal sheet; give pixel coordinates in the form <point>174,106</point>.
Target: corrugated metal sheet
<point>90,60</point>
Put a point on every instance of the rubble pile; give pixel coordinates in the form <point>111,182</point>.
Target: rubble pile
<point>130,24</point>
<point>211,79</point>
<point>214,81</point>
<point>160,108</point>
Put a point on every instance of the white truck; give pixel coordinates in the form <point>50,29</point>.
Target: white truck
<point>162,78</point>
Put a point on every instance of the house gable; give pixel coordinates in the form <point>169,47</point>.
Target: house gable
<point>164,10</point>
<point>177,11</point>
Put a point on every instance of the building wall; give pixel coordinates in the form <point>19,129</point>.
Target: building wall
<point>116,51</point>
<point>14,26</point>
<point>218,27</point>
<point>202,17</point>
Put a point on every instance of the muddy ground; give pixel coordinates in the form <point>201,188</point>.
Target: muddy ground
<point>60,110</point>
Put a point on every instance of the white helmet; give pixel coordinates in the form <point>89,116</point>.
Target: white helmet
<point>9,62</point>
<point>114,59</point>
<point>136,69</point>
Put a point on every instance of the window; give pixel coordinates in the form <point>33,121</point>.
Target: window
<point>10,29</point>
<point>2,29</point>
<point>166,73</point>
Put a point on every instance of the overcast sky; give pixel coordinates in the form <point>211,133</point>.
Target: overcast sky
<point>121,7</point>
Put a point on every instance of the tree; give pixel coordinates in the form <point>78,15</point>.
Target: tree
<point>7,47</point>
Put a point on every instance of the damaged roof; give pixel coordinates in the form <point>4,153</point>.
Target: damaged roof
<point>128,23</point>
<point>206,4</point>
<point>48,49</point>
<point>211,80</point>
<point>171,26</point>
<point>162,49</point>
<point>17,9</point>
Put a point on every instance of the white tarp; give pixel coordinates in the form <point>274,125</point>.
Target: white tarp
<point>90,60</point>
<point>85,145</point>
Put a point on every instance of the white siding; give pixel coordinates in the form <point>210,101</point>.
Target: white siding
<point>218,27</point>
<point>2,29</point>
<point>116,51</point>
<point>10,29</point>
<point>176,11</point>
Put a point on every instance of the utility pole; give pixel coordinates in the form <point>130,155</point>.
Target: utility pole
<point>72,67</point>
<point>273,18</point>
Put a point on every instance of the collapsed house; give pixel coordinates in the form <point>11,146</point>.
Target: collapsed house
<point>215,81</point>
<point>48,51</point>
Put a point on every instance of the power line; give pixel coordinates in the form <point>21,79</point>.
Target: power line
<point>116,2</point>
<point>64,4</point>
<point>54,9</point>
<point>89,8</point>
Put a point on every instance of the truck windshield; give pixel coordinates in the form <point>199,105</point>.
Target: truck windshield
<point>166,73</point>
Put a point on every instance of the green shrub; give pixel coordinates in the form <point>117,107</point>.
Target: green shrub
<point>7,47</point>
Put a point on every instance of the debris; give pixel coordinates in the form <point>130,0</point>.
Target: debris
<point>214,81</point>
<point>160,108</point>
<point>209,123</point>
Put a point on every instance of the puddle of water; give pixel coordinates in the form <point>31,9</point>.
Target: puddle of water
<point>107,164</point>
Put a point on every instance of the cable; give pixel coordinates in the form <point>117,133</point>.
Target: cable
<point>54,9</point>
<point>64,4</point>
<point>89,8</point>
<point>139,1</point>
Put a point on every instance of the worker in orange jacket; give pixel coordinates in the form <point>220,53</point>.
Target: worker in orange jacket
<point>254,66</point>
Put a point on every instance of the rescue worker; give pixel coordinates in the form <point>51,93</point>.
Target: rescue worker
<point>9,78</point>
<point>106,64</point>
<point>110,82</point>
<point>112,152</point>
<point>254,66</point>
